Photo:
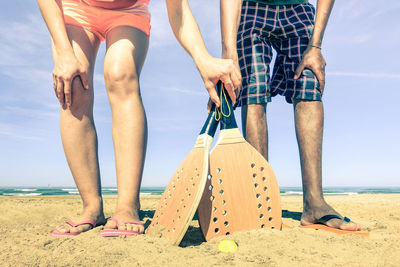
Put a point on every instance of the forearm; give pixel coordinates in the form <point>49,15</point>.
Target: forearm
<point>324,8</point>
<point>52,14</point>
<point>230,18</point>
<point>186,30</point>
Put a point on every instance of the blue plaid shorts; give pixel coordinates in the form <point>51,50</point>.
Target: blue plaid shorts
<point>287,29</point>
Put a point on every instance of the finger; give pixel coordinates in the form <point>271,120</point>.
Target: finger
<point>237,92</point>
<point>214,96</point>
<point>54,82</point>
<point>67,92</point>
<point>229,88</point>
<point>60,91</point>
<point>84,80</point>
<point>321,79</point>
<point>298,71</point>
<point>236,79</point>
<point>239,77</point>
<point>55,85</point>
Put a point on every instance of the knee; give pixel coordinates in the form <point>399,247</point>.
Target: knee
<point>256,113</point>
<point>82,101</point>
<point>308,106</point>
<point>121,82</point>
<point>81,98</point>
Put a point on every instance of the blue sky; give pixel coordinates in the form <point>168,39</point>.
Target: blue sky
<point>362,125</point>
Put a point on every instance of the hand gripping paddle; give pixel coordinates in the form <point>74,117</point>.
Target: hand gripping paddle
<point>241,191</point>
<point>181,198</point>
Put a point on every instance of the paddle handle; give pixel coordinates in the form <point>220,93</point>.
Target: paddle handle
<point>210,126</point>
<point>228,120</point>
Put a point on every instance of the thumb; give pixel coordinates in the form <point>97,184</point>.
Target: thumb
<point>299,70</point>
<point>84,80</point>
<point>213,95</point>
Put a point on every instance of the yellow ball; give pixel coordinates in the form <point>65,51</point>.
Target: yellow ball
<point>227,246</point>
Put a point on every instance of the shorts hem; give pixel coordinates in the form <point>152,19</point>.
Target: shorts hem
<point>253,100</point>
<point>141,27</point>
<point>90,29</point>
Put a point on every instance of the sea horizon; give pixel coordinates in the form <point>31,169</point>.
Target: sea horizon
<point>158,190</point>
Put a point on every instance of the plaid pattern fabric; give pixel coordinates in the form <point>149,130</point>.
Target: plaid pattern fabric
<point>287,29</point>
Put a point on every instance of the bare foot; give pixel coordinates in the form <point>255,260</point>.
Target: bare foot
<point>93,215</point>
<point>312,215</point>
<point>123,216</point>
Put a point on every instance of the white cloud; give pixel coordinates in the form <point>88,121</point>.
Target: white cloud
<point>28,74</point>
<point>161,33</point>
<point>26,112</point>
<point>19,132</point>
<point>180,91</point>
<point>173,124</point>
<point>205,12</point>
<point>375,75</point>
<point>21,41</point>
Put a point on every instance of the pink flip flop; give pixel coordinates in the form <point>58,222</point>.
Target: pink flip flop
<point>58,234</point>
<point>116,232</point>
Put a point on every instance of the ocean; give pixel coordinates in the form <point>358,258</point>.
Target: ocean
<point>285,191</point>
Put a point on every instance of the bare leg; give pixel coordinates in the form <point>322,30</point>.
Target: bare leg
<point>255,128</point>
<point>309,120</point>
<point>79,135</point>
<point>126,52</point>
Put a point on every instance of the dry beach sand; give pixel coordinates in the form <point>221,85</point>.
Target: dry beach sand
<point>26,223</point>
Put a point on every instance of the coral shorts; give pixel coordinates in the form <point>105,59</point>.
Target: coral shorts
<point>100,16</point>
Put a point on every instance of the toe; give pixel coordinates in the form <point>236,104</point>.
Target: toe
<point>80,229</point>
<point>75,230</point>
<point>350,226</point>
<point>122,227</point>
<point>63,228</point>
<point>137,228</point>
<point>110,225</point>
<point>129,227</point>
<point>343,225</point>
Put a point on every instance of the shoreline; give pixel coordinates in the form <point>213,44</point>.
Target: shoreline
<point>285,191</point>
<point>26,223</point>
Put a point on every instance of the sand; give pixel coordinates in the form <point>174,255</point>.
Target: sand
<point>26,223</point>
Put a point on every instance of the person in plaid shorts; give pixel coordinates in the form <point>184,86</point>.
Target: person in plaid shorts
<point>248,40</point>
<point>286,26</point>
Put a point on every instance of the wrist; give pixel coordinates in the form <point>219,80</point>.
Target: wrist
<point>229,47</point>
<point>315,46</point>
<point>201,59</point>
<point>229,55</point>
<point>65,52</point>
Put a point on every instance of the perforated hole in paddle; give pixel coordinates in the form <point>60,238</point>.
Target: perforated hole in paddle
<point>174,209</point>
<point>261,192</point>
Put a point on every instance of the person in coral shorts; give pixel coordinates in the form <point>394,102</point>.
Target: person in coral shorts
<point>77,27</point>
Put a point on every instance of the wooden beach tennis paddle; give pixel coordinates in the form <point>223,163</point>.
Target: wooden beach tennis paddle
<point>181,197</point>
<point>241,192</point>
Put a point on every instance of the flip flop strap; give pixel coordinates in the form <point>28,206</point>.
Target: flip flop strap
<point>92,223</point>
<point>130,222</point>
<point>326,218</point>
